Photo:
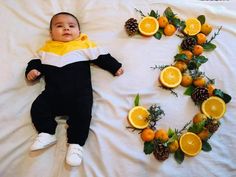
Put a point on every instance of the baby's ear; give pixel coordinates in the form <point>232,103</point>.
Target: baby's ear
<point>50,31</point>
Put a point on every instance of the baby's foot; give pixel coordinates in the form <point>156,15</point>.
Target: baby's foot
<point>74,155</point>
<point>42,141</point>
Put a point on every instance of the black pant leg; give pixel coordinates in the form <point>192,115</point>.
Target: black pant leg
<point>79,120</point>
<point>42,114</point>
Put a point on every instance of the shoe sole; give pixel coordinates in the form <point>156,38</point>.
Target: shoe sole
<point>48,145</point>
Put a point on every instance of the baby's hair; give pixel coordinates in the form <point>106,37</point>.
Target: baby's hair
<point>63,13</point>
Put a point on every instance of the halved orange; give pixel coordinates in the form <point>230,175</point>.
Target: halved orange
<point>138,117</point>
<point>190,144</point>
<point>148,26</point>
<point>193,26</point>
<point>170,77</point>
<point>214,107</point>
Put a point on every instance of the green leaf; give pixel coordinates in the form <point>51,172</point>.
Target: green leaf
<point>182,57</point>
<point>136,100</point>
<point>170,132</point>
<point>206,146</point>
<point>148,147</point>
<point>158,35</point>
<point>189,90</point>
<point>192,65</point>
<point>202,19</point>
<point>197,128</point>
<point>219,93</point>
<point>201,59</point>
<point>169,13</point>
<point>179,156</point>
<point>208,46</point>
<point>153,14</point>
<point>227,98</point>
<point>172,139</point>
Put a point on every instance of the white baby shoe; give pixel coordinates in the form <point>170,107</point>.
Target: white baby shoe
<point>74,155</point>
<point>43,140</point>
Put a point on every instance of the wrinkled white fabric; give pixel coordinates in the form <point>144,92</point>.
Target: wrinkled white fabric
<point>111,149</point>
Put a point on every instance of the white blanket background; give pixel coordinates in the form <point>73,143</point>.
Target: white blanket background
<point>111,149</point>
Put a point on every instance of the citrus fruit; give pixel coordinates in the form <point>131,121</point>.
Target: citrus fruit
<point>162,135</point>
<point>186,80</point>
<point>199,117</point>
<point>214,107</point>
<point>181,65</point>
<point>138,117</point>
<point>190,143</point>
<point>210,88</point>
<point>197,50</point>
<point>204,134</point>
<point>193,26</point>
<point>206,29</point>
<point>199,81</point>
<point>147,134</point>
<point>169,30</point>
<point>188,53</point>
<point>148,26</point>
<point>163,21</point>
<point>174,146</point>
<point>170,77</point>
<point>201,38</point>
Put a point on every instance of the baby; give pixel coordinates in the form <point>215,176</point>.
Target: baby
<point>64,62</point>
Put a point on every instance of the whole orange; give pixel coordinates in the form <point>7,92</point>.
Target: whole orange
<point>201,38</point>
<point>210,88</point>
<point>174,146</point>
<point>186,80</point>
<point>204,134</point>
<point>197,50</point>
<point>188,53</point>
<point>199,81</point>
<point>169,30</point>
<point>163,21</point>
<point>181,65</point>
<point>162,135</point>
<point>206,29</point>
<point>199,117</point>
<point>147,134</point>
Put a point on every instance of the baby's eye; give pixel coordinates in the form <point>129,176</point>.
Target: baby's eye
<point>59,26</point>
<point>72,26</point>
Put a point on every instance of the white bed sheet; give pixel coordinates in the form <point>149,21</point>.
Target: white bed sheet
<point>111,149</point>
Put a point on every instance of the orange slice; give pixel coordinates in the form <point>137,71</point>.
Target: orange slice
<point>170,77</point>
<point>214,107</point>
<point>148,26</point>
<point>138,117</point>
<point>193,26</point>
<point>190,144</point>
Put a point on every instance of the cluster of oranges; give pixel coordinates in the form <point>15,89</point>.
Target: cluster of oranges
<point>148,26</point>
<point>213,108</point>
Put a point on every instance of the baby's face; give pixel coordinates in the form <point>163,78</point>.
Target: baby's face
<point>64,28</point>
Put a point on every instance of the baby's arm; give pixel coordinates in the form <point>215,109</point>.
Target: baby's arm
<point>33,70</point>
<point>109,63</point>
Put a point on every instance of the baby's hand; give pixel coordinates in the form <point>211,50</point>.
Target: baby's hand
<point>33,74</point>
<point>119,72</point>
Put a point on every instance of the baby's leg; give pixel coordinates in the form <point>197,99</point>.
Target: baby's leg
<point>42,115</point>
<point>79,120</point>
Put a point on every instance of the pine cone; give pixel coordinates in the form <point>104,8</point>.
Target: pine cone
<point>212,125</point>
<point>188,43</point>
<point>161,152</point>
<point>199,95</point>
<point>131,26</point>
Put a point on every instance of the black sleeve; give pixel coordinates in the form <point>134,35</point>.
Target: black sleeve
<point>108,63</point>
<point>33,64</point>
